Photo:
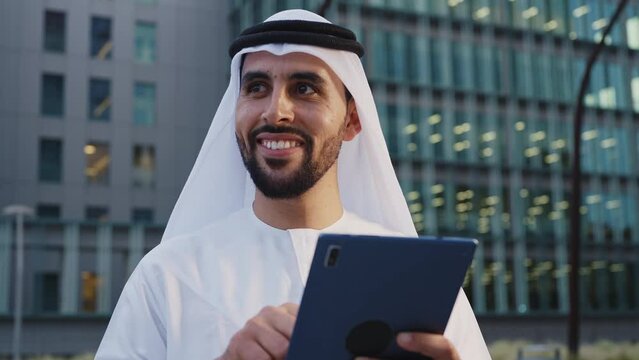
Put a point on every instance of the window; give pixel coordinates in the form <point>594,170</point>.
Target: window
<point>54,29</point>
<point>142,215</point>
<point>90,284</point>
<point>47,293</point>
<point>485,66</point>
<point>101,42</point>
<point>632,32</point>
<point>143,166</point>
<point>97,213</point>
<point>463,143</point>
<point>144,104</point>
<point>48,211</point>
<point>97,163</point>
<point>437,61</point>
<point>379,54</point>
<point>52,95</point>
<point>145,49</point>
<point>100,99</point>
<point>634,88</point>
<point>50,160</point>
<point>462,65</point>
<point>397,58</point>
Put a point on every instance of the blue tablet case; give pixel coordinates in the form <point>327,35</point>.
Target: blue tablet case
<point>363,290</point>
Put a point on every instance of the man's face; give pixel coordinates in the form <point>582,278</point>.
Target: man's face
<point>291,119</point>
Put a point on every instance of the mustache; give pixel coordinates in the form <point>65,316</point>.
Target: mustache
<point>282,129</point>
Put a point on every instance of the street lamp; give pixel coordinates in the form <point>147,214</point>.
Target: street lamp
<point>20,212</point>
<point>575,216</point>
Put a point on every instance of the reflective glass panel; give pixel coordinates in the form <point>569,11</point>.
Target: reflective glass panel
<point>101,38</point>
<point>144,108</point>
<point>97,213</point>
<point>48,211</point>
<point>145,42</point>
<point>54,31</point>
<point>143,166</point>
<point>52,95</point>
<point>98,160</point>
<point>142,215</point>
<point>100,99</point>
<point>50,160</point>
<point>47,293</point>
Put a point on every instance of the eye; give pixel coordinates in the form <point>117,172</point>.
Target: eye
<point>254,88</point>
<point>305,89</point>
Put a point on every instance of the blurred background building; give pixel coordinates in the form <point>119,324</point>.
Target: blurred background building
<point>104,105</point>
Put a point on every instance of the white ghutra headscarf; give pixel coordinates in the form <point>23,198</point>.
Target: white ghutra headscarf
<point>219,183</point>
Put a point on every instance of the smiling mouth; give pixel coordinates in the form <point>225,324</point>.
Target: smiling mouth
<point>279,144</point>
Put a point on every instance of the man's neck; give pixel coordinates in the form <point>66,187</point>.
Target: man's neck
<point>317,208</point>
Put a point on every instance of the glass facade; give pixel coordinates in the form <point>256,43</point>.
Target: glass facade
<point>101,38</point>
<point>50,160</point>
<point>99,99</point>
<point>54,31</point>
<point>76,267</point>
<point>52,95</point>
<point>144,108</point>
<point>145,42</point>
<point>476,100</point>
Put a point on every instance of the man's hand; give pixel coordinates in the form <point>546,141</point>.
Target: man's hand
<point>433,345</point>
<point>265,336</point>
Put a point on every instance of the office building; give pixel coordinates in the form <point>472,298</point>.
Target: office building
<point>103,107</point>
<point>476,99</point>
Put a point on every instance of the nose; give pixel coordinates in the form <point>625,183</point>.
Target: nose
<point>279,108</point>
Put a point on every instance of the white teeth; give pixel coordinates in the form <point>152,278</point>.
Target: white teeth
<point>278,145</point>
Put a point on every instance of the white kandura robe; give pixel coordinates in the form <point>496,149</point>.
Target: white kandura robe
<point>191,294</point>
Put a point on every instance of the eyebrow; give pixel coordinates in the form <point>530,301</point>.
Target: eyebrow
<point>308,76</point>
<point>252,75</point>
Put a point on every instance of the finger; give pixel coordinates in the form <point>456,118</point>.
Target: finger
<point>291,308</point>
<point>279,319</point>
<point>271,340</point>
<point>433,345</point>
<point>247,350</point>
<point>253,350</point>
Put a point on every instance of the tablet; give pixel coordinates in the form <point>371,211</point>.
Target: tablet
<point>363,290</point>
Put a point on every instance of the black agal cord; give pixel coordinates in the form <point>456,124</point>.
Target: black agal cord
<point>298,32</point>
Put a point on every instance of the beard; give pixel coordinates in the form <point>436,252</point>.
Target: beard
<point>305,176</point>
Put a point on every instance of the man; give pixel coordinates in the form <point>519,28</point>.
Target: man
<point>227,278</point>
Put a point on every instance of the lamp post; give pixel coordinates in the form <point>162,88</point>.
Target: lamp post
<point>321,10</point>
<point>20,212</point>
<point>575,216</point>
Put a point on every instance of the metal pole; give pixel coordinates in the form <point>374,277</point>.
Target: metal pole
<point>321,10</point>
<point>20,212</point>
<point>17,316</point>
<point>575,216</point>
